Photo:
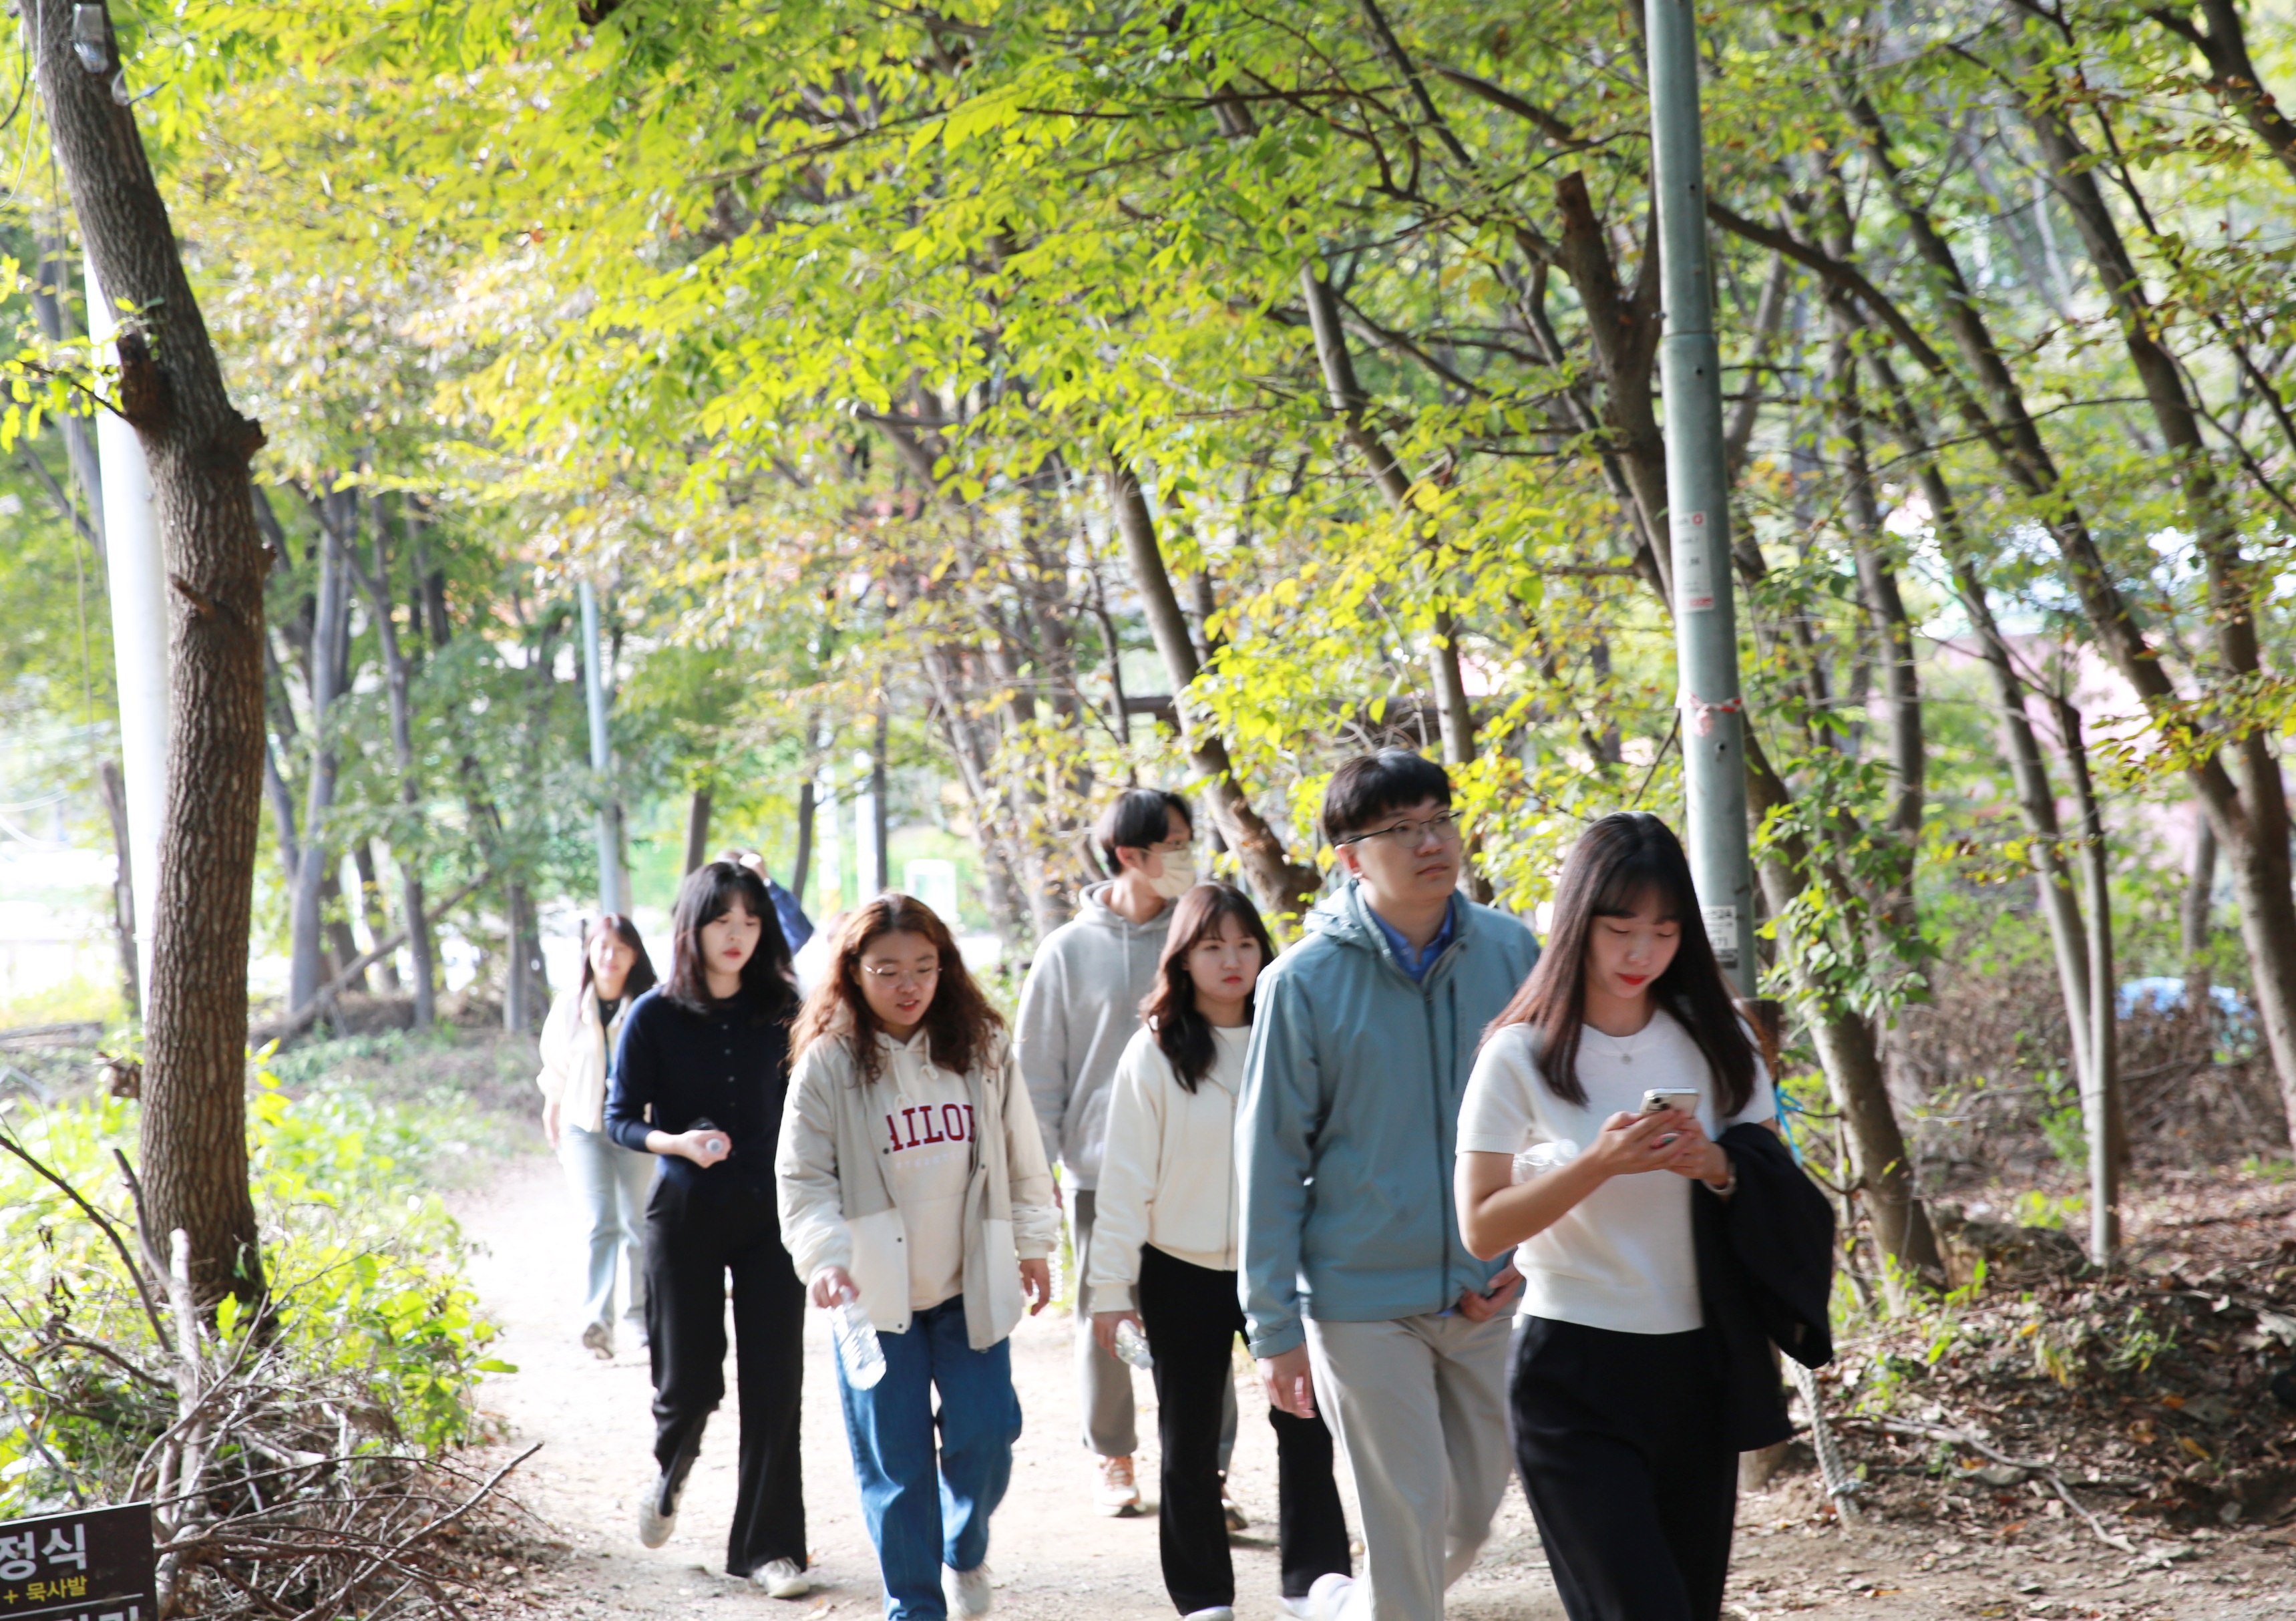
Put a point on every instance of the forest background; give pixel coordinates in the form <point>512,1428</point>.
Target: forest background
<point>959,412</point>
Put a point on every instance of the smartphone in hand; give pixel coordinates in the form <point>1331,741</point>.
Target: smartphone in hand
<point>1658,1099</point>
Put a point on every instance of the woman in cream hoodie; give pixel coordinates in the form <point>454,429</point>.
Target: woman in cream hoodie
<point>1168,1234</point>
<point>913,1180</point>
<point>578,1051</point>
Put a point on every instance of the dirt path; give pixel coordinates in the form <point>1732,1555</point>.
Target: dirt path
<point>1054,1558</point>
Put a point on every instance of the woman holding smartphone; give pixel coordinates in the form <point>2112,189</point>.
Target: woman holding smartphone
<point>699,1080</point>
<point>1615,1067</point>
<point>913,1182</point>
<point>1166,1227</point>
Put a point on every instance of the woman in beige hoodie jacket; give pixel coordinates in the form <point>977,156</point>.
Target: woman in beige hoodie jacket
<point>1167,1234</point>
<point>912,1179</point>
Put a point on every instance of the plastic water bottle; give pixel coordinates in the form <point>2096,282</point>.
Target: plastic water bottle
<point>1544,1156</point>
<point>1132,1345</point>
<point>863,1358</point>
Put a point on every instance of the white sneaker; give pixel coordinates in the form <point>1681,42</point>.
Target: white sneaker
<point>782,1579</point>
<point>1117,1494</point>
<point>1327,1599</point>
<point>967,1590</point>
<point>1300,1608</point>
<point>1218,1612</point>
<point>655,1523</point>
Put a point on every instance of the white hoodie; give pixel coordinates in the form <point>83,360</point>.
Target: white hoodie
<point>1168,1177</point>
<point>1079,1008</point>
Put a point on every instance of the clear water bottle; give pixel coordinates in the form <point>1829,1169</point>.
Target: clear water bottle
<point>1541,1157</point>
<point>864,1359</point>
<point>1132,1345</point>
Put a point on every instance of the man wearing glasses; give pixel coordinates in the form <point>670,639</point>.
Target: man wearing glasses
<point>1078,1008</point>
<point>1362,1301</point>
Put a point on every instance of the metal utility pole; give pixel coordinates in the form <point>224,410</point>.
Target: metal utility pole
<point>613,886</point>
<point>1698,505</point>
<point>139,636</point>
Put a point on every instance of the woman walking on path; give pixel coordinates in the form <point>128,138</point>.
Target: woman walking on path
<point>1167,1229</point>
<point>913,1180</point>
<point>1623,1060</point>
<point>700,1081</point>
<point>608,1181</point>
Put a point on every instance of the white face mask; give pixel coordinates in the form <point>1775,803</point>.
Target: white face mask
<point>1178,878</point>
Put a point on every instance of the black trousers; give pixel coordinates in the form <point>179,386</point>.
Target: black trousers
<point>1620,1443</point>
<point>1192,1317</point>
<point>694,1238</point>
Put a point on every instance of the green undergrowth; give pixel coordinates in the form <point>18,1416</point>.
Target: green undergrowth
<point>369,1296</point>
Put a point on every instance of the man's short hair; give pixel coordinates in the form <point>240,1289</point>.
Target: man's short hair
<point>1370,785</point>
<point>1135,820</point>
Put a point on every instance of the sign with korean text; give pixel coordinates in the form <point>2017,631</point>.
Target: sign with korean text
<point>88,1565</point>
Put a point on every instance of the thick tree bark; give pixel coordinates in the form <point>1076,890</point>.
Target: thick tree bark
<point>170,388</point>
<point>1283,887</point>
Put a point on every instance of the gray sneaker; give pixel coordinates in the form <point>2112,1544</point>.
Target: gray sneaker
<point>782,1579</point>
<point>656,1522</point>
<point>967,1590</point>
<point>598,1340</point>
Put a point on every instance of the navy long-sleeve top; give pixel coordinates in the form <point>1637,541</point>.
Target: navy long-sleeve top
<point>727,1063</point>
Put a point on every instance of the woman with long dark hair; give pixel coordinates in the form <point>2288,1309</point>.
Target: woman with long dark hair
<point>1615,1068</point>
<point>608,1181</point>
<point>1167,1229</point>
<point>914,1183</point>
<point>700,1081</point>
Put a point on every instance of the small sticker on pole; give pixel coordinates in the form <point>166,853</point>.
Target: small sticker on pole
<point>1694,562</point>
<point>1722,931</point>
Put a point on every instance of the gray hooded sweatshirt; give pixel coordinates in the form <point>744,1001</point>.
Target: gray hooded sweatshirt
<point>1079,1008</point>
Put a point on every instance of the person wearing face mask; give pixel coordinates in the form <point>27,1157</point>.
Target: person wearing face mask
<point>1079,1007</point>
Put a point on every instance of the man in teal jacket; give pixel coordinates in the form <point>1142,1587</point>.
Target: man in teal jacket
<point>1360,1296</point>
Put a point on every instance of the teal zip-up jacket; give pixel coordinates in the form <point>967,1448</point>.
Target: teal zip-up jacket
<point>1349,1120</point>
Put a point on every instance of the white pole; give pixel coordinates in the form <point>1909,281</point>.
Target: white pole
<point>139,636</point>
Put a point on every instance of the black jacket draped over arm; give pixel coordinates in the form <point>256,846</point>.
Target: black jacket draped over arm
<point>1765,1274</point>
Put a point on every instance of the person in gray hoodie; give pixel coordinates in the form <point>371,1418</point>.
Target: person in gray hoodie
<point>1361,1299</point>
<point>1079,1006</point>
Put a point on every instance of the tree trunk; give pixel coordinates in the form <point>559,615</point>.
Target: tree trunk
<point>1851,1059</point>
<point>407,835</point>
<point>371,906</point>
<point>114,790</point>
<point>2193,918</point>
<point>342,945</point>
<point>194,1130</point>
<point>329,630</point>
<point>1349,406</point>
<point>801,865</point>
<point>879,738</point>
<point>2101,1104</point>
<point>1285,889</point>
<point>697,832</point>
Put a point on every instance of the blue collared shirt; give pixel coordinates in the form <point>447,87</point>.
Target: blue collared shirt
<point>1416,963</point>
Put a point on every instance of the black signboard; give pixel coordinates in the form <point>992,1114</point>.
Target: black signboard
<point>90,1565</point>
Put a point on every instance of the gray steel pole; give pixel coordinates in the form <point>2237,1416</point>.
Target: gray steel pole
<point>1698,501</point>
<point>613,888</point>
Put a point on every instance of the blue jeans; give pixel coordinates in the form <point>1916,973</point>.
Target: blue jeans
<point>921,1518</point>
<point>610,1183</point>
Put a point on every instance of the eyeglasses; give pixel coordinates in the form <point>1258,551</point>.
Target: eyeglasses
<point>897,977</point>
<point>1409,834</point>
